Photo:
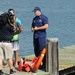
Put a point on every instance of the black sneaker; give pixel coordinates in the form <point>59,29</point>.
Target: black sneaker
<point>43,67</point>
<point>2,73</point>
<point>12,72</point>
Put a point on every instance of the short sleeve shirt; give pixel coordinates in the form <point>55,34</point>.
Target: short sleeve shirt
<point>17,20</point>
<point>18,23</point>
<point>40,21</point>
<point>6,33</point>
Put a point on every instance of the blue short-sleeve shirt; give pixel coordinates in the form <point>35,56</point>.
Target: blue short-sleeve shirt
<point>18,21</point>
<point>18,24</point>
<point>40,21</point>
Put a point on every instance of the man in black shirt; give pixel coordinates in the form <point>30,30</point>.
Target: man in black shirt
<point>6,34</point>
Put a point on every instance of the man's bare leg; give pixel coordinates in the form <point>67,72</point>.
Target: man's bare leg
<point>16,58</point>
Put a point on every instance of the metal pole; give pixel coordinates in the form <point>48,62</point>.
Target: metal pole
<point>52,60</point>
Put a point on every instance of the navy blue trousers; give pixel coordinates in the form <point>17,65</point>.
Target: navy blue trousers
<point>39,44</point>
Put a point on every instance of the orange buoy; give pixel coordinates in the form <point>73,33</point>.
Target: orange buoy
<point>20,65</point>
<point>40,58</point>
<point>31,65</point>
<point>27,68</point>
<point>33,62</point>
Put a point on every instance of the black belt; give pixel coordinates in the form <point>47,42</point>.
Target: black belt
<point>6,41</point>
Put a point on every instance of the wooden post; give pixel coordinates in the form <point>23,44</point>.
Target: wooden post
<point>52,60</point>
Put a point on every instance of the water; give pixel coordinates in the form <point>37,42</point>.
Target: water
<point>61,15</point>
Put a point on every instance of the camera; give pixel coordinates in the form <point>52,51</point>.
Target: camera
<point>5,18</point>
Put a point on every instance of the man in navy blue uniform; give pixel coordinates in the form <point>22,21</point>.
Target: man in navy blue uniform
<point>39,26</point>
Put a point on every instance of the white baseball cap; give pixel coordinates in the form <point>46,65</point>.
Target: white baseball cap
<point>11,11</point>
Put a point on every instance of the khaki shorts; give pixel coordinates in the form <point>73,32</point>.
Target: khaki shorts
<point>6,50</point>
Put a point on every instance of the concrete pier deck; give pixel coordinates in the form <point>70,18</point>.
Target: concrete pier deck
<point>67,57</point>
<point>66,60</point>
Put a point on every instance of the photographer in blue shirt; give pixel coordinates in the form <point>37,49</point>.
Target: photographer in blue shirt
<point>39,26</point>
